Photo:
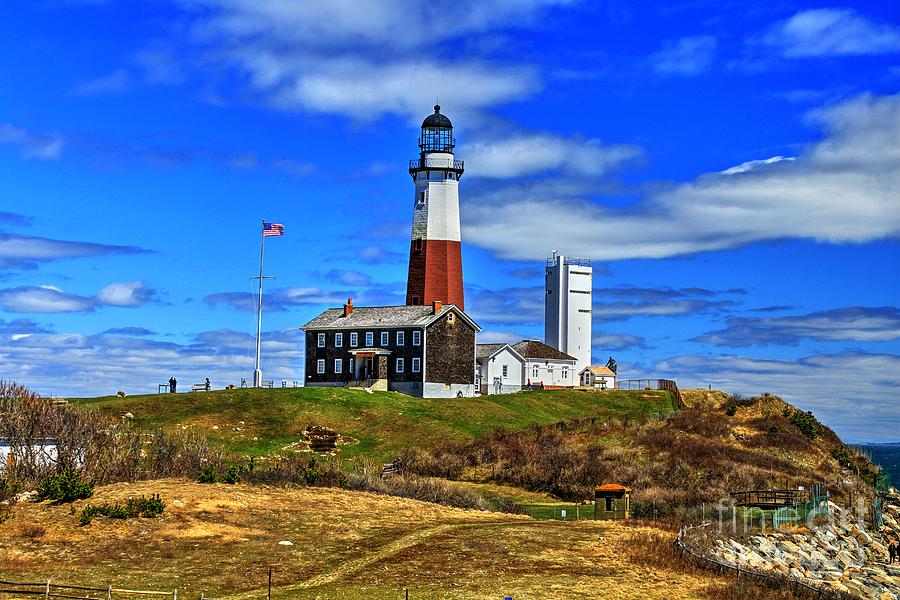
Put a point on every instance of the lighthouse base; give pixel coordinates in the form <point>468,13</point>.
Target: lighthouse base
<point>435,273</point>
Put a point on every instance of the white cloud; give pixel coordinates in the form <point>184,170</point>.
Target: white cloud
<point>21,251</point>
<point>616,341</point>
<point>532,154</point>
<point>134,293</point>
<point>831,32</point>
<point>865,324</point>
<point>755,164</point>
<point>367,60</point>
<point>77,364</point>
<point>686,57</point>
<point>36,299</point>
<point>843,189</point>
<point>364,91</point>
<point>396,24</point>
<point>862,407</point>
<point>43,146</point>
<point>51,299</point>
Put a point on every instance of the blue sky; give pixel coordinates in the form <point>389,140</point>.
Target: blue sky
<point>732,170</point>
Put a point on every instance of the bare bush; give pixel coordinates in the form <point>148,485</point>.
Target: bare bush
<point>45,439</point>
<point>420,488</point>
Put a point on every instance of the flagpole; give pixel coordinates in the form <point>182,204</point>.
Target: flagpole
<point>257,373</point>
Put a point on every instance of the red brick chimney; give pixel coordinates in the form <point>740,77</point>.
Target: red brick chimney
<point>438,306</point>
<point>348,308</point>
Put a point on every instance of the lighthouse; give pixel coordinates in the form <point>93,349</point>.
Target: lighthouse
<point>435,258</point>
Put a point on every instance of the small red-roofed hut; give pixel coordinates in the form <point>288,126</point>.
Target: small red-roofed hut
<point>612,501</point>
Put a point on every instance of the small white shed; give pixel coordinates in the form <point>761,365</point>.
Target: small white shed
<point>601,378</point>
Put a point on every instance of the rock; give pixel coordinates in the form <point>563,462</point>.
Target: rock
<point>863,538</point>
<point>128,415</point>
<point>285,543</point>
<point>878,549</point>
<point>840,587</point>
<point>321,439</point>
<point>787,547</point>
<point>844,558</point>
<point>25,496</point>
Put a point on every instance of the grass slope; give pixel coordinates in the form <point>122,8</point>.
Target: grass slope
<point>381,422</point>
<point>221,540</point>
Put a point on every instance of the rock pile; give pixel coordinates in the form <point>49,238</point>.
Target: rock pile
<point>321,439</point>
<point>840,554</point>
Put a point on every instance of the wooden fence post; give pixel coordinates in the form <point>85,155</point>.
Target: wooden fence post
<point>109,593</point>
<point>269,592</point>
<point>47,592</point>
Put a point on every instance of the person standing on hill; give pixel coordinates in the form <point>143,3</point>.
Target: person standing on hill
<point>172,384</point>
<point>207,384</point>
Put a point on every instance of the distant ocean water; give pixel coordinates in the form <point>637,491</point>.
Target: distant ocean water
<point>886,456</point>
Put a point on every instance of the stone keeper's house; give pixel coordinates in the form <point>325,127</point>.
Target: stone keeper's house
<point>426,351</point>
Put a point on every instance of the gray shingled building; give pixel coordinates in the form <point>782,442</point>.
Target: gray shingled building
<point>426,351</point>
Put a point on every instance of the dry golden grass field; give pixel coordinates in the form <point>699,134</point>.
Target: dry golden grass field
<point>220,539</point>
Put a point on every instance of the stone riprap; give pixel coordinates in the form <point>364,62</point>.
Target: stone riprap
<point>840,554</point>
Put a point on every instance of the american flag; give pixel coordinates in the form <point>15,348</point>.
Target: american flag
<point>270,229</point>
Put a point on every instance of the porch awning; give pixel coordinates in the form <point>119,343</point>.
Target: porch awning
<point>370,352</point>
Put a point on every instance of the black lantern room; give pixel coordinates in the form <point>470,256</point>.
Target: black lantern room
<point>437,133</point>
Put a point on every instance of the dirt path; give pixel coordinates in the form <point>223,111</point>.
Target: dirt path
<point>351,566</point>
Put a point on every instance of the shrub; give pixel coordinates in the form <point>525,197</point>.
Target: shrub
<point>232,475</point>
<point>134,507</point>
<point>420,488</point>
<point>8,488</point>
<point>805,422</point>
<point>843,456</point>
<point>67,486</point>
<point>207,475</point>
<point>731,410</point>
<point>104,448</point>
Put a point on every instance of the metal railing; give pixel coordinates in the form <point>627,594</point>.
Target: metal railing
<point>436,163</point>
<point>770,498</point>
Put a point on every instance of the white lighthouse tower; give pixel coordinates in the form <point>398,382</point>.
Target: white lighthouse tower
<point>567,307</point>
<point>435,251</point>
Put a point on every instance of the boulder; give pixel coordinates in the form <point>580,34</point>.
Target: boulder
<point>788,547</point>
<point>863,537</point>
<point>845,559</point>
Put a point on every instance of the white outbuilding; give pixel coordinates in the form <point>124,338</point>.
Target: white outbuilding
<point>505,368</point>
<point>601,378</point>
<point>499,369</point>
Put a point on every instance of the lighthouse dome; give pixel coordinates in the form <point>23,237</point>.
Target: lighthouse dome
<point>437,120</point>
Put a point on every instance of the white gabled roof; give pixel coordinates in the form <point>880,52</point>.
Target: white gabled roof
<point>487,351</point>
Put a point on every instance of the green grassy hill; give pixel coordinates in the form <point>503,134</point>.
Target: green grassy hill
<point>257,422</point>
